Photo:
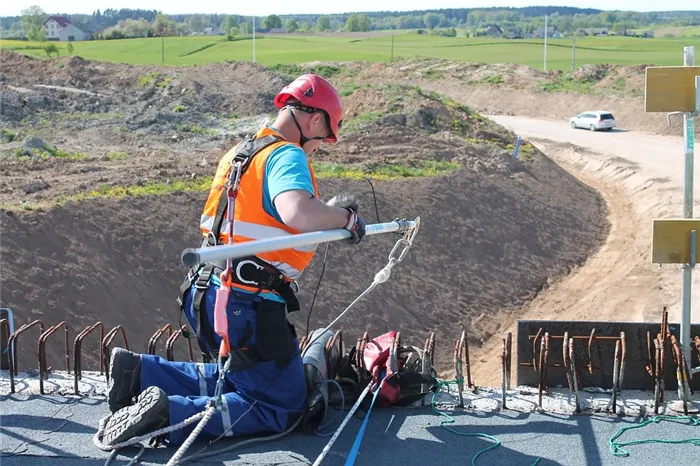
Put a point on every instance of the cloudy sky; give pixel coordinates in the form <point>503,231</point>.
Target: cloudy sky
<point>266,7</point>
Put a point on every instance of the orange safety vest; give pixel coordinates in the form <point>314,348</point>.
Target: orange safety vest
<point>251,220</point>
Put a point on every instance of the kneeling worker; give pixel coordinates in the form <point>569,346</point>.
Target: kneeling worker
<point>265,389</point>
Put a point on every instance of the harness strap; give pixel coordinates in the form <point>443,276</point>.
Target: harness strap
<point>245,152</point>
<point>250,271</point>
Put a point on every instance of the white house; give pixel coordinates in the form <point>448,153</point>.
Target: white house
<point>60,28</point>
<point>72,33</point>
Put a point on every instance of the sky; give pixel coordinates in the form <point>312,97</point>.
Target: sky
<point>266,7</point>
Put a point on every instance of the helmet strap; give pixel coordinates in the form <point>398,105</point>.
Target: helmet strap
<point>302,139</point>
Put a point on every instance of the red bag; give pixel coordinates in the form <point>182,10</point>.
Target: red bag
<point>378,357</point>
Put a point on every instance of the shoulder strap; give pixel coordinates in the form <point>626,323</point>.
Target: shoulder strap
<point>245,152</point>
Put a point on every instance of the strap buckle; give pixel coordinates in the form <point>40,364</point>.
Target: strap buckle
<point>238,271</point>
<point>265,278</point>
<point>204,278</point>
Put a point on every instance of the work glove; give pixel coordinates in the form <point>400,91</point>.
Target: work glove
<point>356,224</point>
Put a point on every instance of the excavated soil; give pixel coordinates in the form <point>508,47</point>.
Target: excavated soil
<point>494,232</point>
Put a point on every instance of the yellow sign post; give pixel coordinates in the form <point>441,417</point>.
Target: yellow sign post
<point>670,88</point>
<point>676,90</point>
<point>675,241</point>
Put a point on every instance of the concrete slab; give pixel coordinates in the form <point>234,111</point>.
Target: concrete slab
<point>57,429</point>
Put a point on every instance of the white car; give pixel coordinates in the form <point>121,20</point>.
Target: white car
<point>593,120</point>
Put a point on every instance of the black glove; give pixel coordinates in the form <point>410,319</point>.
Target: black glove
<point>356,224</point>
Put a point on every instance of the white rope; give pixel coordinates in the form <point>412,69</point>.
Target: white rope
<point>204,416</point>
<point>97,438</point>
<point>340,428</point>
<point>192,437</point>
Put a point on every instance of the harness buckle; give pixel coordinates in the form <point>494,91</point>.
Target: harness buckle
<point>238,271</point>
<point>202,282</point>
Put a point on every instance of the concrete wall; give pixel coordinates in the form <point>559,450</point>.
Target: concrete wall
<point>603,352</point>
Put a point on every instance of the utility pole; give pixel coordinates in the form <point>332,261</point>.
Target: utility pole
<point>545,42</point>
<point>392,47</point>
<point>162,47</point>
<point>573,54</point>
<point>253,39</point>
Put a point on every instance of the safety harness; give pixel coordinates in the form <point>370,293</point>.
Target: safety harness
<point>248,271</point>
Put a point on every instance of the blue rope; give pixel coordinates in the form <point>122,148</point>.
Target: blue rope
<point>352,456</point>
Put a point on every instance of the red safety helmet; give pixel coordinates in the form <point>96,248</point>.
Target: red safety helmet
<point>313,91</point>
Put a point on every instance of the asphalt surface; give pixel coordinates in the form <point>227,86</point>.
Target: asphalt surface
<point>56,430</point>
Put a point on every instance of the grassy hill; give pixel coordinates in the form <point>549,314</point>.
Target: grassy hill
<point>291,49</point>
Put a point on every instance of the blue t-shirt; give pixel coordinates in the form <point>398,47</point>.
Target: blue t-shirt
<point>286,169</point>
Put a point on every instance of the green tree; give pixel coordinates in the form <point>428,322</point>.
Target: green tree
<point>230,21</point>
<point>196,23</point>
<point>51,49</point>
<point>323,24</point>
<point>272,22</point>
<point>232,33</point>
<point>353,23</point>
<point>69,47</point>
<point>363,23</point>
<point>163,25</point>
<point>32,21</point>
<point>292,25</point>
<point>306,26</point>
<point>432,20</point>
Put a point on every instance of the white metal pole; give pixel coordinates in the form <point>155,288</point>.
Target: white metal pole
<point>193,256</point>
<point>253,39</point>
<point>688,136</point>
<point>545,42</point>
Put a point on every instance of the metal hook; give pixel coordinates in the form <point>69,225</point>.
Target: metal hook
<point>668,116</point>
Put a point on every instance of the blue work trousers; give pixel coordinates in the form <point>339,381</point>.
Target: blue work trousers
<point>280,392</point>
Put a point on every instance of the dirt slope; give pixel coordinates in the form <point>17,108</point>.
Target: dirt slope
<point>640,176</point>
<point>522,90</point>
<point>494,230</point>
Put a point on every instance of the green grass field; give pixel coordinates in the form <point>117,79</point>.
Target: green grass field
<point>290,49</point>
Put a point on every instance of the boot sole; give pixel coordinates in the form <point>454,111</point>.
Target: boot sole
<point>134,420</point>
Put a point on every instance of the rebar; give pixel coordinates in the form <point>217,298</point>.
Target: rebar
<point>156,336</point>
<point>77,352</point>
<point>43,370</point>
<point>12,347</point>
<point>107,340</point>
<point>574,376</point>
<point>169,354</point>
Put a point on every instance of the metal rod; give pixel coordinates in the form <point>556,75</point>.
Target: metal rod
<point>77,356</point>
<point>545,42</point>
<point>574,376</point>
<point>688,136</point>
<point>193,256</point>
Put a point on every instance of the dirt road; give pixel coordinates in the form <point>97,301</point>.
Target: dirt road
<point>641,177</point>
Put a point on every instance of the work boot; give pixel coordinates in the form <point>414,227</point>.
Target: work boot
<point>150,413</point>
<point>124,378</point>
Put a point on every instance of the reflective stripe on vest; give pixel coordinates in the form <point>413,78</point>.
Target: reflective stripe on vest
<point>251,220</point>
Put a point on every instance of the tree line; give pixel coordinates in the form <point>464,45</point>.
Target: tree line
<point>120,23</point>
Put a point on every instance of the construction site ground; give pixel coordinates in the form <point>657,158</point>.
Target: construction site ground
<point>561,233</point>
<point>57,429</point>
